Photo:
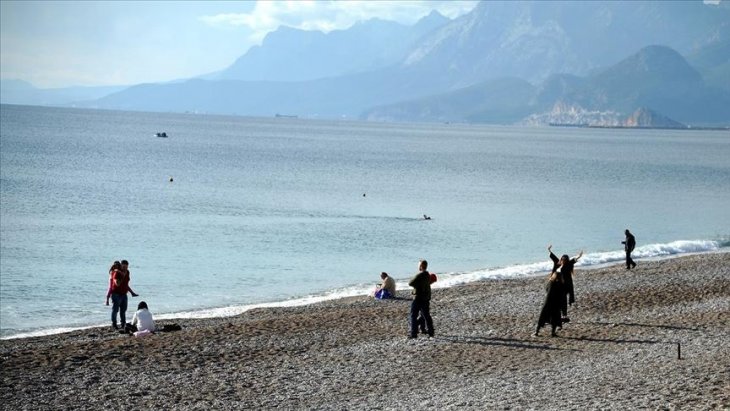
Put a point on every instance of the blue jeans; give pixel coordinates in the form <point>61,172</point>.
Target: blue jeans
<point>119,303</point>
<point>422,307</point>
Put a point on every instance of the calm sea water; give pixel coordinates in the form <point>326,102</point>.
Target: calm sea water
<point>273,210</point>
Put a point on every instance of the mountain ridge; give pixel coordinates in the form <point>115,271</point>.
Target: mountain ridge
<point>367,45</point>
<point>547,51</point>
<point>655,79</point>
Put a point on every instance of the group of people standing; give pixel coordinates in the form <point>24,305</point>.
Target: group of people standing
<point>420,313</point>
<point>142,321</point>
<point>560,292</point>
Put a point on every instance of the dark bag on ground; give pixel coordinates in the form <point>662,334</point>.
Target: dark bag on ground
<point>170,327</point>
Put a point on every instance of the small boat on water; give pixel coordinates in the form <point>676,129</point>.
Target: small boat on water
<point>162,134</point>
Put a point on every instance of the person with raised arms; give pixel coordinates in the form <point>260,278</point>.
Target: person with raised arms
<point>565,265</point>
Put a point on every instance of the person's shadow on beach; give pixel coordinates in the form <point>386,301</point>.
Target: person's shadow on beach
<point>668,327</point>
<point>505,342</point>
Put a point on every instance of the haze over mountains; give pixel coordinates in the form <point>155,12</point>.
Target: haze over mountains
<point>655,78</point>
<point>289,54</point>
<point>504,62</point>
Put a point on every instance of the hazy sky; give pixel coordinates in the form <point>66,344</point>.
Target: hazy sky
<point>90,43</point>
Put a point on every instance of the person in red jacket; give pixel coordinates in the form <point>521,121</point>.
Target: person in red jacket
<point>118,289</point>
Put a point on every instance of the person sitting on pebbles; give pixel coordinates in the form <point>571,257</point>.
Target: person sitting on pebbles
<point>387,288</point>
<point>142,322</point>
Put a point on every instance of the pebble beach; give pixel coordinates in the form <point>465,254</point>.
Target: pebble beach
<point>656,337</point>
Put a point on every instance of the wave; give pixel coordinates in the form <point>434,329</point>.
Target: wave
<point>451,279</point>
<point>589,260</point>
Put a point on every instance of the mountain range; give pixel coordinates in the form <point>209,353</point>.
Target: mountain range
<point>655,78</point>
<point>503,62</point>
<point>289,54</point>
<point>22,92</point>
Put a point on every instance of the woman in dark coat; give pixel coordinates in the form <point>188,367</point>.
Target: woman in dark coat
<point>554,301</point>
<point>565,266</point>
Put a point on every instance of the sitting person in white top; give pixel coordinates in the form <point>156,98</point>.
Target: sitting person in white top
<point>142,321</point>
<point>387,288</point>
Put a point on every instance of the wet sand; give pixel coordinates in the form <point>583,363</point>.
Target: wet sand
<point>619,351</point>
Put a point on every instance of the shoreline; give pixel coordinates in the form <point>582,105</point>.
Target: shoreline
<point>619,351</point>
<point>354,291</point>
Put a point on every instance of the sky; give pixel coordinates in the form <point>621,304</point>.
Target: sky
<point>54,44</point>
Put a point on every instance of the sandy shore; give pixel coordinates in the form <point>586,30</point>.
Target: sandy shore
<point>619,351</point>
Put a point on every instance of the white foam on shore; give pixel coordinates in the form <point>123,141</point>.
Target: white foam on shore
<point>589,260</point>
<point>445,280</point>
<point>294,302</point>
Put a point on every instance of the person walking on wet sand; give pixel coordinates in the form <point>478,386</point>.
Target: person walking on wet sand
<point>421,284</point>
<point>629,245</point>
<point>565,265</point>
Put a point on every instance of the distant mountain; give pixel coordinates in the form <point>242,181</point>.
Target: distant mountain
<point>290,54</point>
<point>22,92</point>
<point>15,85</point>
<point>713,61</point>
<point>535,39</point>
<point>656,80</point>
<point>566,49</point>
<point>338,97</point>
<point>501,101</point>
<point>554,88</point>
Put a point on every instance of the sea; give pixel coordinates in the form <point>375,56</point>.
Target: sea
<point>231,213</point>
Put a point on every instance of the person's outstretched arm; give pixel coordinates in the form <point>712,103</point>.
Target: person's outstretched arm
<point>553,256</point>
<point>577,257</point>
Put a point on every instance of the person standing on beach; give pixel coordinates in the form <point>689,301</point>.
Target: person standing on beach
<point>565,266</point>
<point>629,245</point>
<point>118,289</point>
<point>554,302</point>
<point>422,321</point>
<point>421,284</point>
<point>116,266</point>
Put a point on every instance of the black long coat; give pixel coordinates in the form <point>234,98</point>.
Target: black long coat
<point>554,302</point>
<point>567,271</point>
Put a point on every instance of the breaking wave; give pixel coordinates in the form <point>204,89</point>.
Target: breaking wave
<point>589,260</point>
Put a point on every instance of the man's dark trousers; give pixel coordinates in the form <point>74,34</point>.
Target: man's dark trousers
<point>422,306</point>
<point>629,261</point>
